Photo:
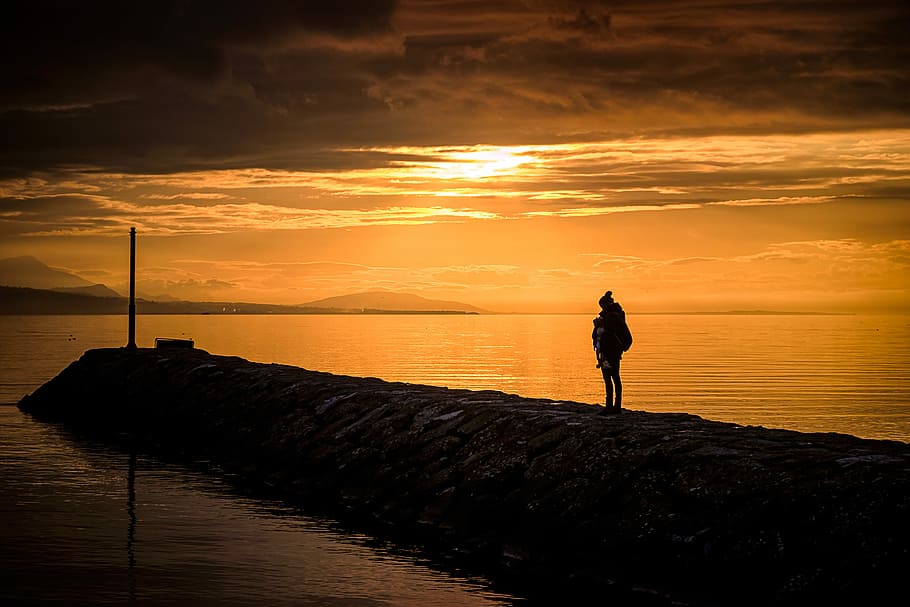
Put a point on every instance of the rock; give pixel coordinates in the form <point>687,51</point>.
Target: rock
<point>547,497</point>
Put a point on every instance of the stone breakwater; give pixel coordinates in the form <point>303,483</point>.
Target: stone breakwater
<point>548,497</point>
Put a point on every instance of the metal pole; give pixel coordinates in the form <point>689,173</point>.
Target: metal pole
<point>132,311</point>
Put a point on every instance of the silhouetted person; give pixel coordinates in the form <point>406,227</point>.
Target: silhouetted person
<point>608,335</point>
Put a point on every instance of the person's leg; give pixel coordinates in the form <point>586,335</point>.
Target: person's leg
<point>608,384</point>
<point>614,373</point>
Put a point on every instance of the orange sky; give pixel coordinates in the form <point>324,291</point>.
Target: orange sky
<point>518,156</point>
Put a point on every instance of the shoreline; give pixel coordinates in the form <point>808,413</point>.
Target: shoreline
<point>544,496</point>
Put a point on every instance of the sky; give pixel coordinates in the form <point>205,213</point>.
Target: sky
<point>517,155</point>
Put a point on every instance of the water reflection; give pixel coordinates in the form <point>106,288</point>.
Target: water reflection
<point>131,530</point>
<point>190,539</point>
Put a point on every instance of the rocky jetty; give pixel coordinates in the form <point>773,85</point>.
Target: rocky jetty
<point>547,497</point>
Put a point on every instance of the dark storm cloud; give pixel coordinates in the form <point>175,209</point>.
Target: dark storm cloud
<point>161,86</point>
<point>60,214</point>
<point>42,210</point>
<point>525,72</point>
<point>59,53</point>
<point>165,86</point>
<point>836,59</point>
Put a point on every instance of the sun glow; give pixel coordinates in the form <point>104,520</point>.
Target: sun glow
<point>479,163</point>
<point>464,163</point>
<point>617,173</point>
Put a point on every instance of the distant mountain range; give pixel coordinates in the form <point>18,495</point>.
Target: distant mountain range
<point>27,271</point>
<point>98,290</point>
<point>28,286</point>
<point>389,301</point>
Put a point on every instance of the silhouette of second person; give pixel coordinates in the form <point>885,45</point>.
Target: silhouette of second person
<point>607,326</point>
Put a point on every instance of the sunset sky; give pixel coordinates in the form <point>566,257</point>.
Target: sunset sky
<point>517,155</point>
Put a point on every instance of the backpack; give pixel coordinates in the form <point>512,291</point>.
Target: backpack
<point>615,331</point>
<point>616,324</point>
<point>624,336</point>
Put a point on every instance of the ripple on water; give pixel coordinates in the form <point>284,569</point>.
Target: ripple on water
<point>87,524</point>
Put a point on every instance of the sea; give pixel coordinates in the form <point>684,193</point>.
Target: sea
<point>85,523</point>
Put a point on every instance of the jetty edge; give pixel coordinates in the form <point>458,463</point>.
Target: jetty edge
<point>546,497</point>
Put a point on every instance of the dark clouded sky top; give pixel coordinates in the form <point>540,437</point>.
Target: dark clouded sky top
<point>171,85</point>
<point>101,43</point>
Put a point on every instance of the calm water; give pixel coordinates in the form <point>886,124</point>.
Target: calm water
<point>73,530</point>
<point>812,373</point>
<point>84,524</point>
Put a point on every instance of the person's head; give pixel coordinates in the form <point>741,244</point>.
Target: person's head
<point>606,300</point>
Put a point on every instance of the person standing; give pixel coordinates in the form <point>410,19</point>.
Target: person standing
<point>611,343</point>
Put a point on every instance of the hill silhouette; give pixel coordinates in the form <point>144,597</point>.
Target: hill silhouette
<point>97,290</point>
<point>29,286</point>
<point>390,301</point>
<point>28,271</point>
<point>25,300</point>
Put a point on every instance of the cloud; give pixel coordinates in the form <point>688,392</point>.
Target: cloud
<point>411,185</point>
<point>65,53</point>
<point>155,87</point>
<point>780,200</point>
<point>85,215</point>
<point>154,282</point>
<point>187,196</point>
<point>475,276</point>
<point>609,210</point>
<point>62,215</point>
<point>827,274</point>
<point>170,85</point>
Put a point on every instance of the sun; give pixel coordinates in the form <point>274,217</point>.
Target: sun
<point>478,162</point>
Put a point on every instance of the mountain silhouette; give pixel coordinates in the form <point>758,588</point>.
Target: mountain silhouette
<point>25,300</point>
<point>28,271</point>
<point>389,301</point>
<point>29,286</point>
<point>98,290</point>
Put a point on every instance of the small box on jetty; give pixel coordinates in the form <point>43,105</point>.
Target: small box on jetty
<point>173,342</point>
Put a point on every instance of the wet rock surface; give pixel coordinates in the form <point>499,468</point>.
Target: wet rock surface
<point>549,498</point>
